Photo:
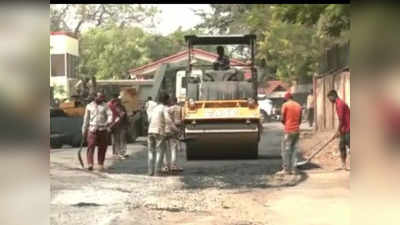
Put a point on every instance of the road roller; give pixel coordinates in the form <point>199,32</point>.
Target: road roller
<point>221,115</point>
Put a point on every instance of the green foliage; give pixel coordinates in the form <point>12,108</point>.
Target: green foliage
<point>225,19</point>
<point>290,49</point>
<point>305,14</point>
<point>110,52</point>
<point>159,46</point>
<point>72,17</point>
<point>291,38</point>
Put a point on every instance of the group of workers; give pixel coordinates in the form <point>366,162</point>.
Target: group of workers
<point>102,120</point>
<point>164,130</point>
<point>291,117</point>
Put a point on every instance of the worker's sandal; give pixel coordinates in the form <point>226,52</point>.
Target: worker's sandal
<point>165,171</point>
<point>176,168</point>
<point>283,172</point>
<point>101,168</point>
<point>295,171</point>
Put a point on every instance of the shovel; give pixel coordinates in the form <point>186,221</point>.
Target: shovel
<point>315,153</point>
<point>79,153</point>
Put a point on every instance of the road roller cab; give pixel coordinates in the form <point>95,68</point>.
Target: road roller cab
<point>221,115</point>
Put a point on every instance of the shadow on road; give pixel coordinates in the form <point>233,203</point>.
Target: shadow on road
<point>260,174</point>
<point>229,174</point>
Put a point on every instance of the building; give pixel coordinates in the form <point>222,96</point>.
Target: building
<point>147,71</point>
<point>275,90</point>
<point>64,61</point>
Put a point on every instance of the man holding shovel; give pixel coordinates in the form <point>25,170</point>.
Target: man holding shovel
<point>96,127</point>
<point>291,119</point>
<point>343,113</point>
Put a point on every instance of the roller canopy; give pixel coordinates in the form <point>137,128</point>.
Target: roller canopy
<point>221,39</point>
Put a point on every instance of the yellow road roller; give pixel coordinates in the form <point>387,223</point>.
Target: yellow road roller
<point>221,115</point>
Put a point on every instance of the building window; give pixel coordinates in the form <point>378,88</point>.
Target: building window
<point>72,63</point>
<point>57,65</point>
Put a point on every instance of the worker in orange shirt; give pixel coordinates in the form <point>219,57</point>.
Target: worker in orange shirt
<point>291,119</point>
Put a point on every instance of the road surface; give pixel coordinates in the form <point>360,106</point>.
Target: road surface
<point>208,192</point>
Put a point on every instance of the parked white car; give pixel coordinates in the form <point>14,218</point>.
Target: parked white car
<point>265,107</point>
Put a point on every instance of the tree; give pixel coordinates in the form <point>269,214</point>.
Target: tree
<point>224,19</point>
<point>57,15</point>
<point>74,17</point>
<point>330,20</point>
<point>159,46</point>
<point>290,38</point>
<point>109,52</point>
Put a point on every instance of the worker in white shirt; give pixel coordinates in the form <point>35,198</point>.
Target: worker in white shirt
<point>96,125</point>
<point>173,139</point>
<point>149,106</point>
<point>160,127</point>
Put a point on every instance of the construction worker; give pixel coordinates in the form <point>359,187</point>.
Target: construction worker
<point>95,127</point>
<point>173,139</point>
<point>159,127</point>
<point>149,106</point>
<point>223,61</point>
<point>343,131</point>
<point>310,108</point>
<point>291,119</point>
<point>119,127</point>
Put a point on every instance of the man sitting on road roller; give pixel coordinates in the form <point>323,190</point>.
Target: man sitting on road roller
<point>221,69</point>
<point>222,62</point>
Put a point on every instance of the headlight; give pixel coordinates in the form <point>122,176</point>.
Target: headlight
<point>252,103</point>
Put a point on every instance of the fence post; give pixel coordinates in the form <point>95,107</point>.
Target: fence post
<point>323,101</point>
<point>315,102</point>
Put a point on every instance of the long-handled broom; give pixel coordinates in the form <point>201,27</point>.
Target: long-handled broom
<point>315,153</point>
